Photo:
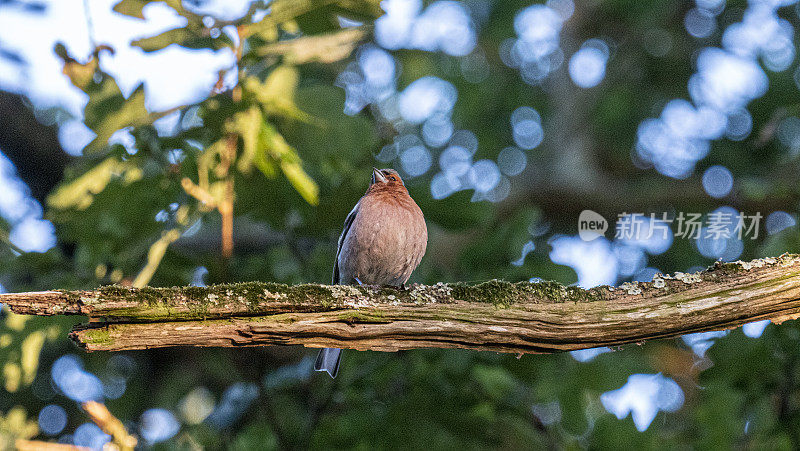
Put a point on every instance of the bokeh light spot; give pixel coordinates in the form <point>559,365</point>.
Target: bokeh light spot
<point>778,221</point>
<point>52,419</point>
<point>484,175</point>
<point>157,425</point>
<point>424,97</point>
<point>512,161</point>
<point>717,181</point>
<point>643,396</point>
<point>416,160</point>
<point>587,67</point>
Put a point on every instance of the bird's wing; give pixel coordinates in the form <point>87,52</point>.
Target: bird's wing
<point>347,223</point>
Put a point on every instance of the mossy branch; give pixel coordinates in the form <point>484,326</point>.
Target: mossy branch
<point>496,316</point>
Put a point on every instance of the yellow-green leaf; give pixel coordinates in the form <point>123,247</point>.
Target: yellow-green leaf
<point>301,181</point>
<point>325,48</point>
<point>280,84</point>
<point>247,124</point>
<point>131,8</point>
<point>134,8</point>
<point>81,75</point>
<point>277,149</point>
<point>16,425</point>
<point>217,191</point>
<point>79,193</point>
<point>29,360</point>
<point>276,93</point>
<point>207,162</point>
<point>363,10</point>
<point>131,112</point>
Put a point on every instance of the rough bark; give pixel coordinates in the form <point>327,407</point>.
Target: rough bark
<point>493,316</point>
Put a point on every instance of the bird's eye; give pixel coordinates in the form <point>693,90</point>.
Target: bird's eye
<point>393,178</point>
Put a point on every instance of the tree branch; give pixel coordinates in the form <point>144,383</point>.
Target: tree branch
<point>491,316</point>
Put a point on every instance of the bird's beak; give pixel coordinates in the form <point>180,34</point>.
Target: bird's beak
<point>377,176</point>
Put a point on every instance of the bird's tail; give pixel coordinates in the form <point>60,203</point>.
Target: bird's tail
<point>328,361</point>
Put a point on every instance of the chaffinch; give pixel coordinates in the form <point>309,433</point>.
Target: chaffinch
<point>383,241</point>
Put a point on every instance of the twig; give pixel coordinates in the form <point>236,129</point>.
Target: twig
<point>226,206</point>
<point>110,424</point>
<point>90,26</point>
<point>198,193</point>
<point>38,445</point>
<point>154,257</point>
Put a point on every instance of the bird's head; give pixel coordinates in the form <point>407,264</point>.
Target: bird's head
<point>386,177</point>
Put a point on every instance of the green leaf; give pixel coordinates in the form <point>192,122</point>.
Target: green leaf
<point>154,256</point>
<point>265,164</point>
<point>21,343</point>
<point>281,11</point>
<point>107,109</point>
<point>361,9</point>
<point>185,37</point>
<point>496,382</point>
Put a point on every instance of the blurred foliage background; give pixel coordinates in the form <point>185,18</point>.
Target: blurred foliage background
<point>506,120</point>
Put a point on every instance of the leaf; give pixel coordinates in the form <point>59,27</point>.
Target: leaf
<point>185,37</point>
<point>302,182</point>
<point>325,48</point>
<point>12,376</point>
<point>361,9</point>
<point>79,193</point>
<point>80,74</point>
<point>20,346</point>
<point>248,125</point>
<point>207,161</point>
<point>112,113</point>
<point>217,192</point>
<point>276,93</point>
<point>264,163</point>
<point>16,425</point>
<point>107,109</point>
<point>131,8</point>
<point>134,8</point>
<point>281,83</point>
<point>280,151</point>
<point>281,11</point>
<point>29,360</point>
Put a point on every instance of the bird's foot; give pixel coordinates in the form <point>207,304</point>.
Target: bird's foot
<point>359,282</point>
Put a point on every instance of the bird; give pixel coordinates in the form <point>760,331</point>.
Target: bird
<point>382,242</point>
